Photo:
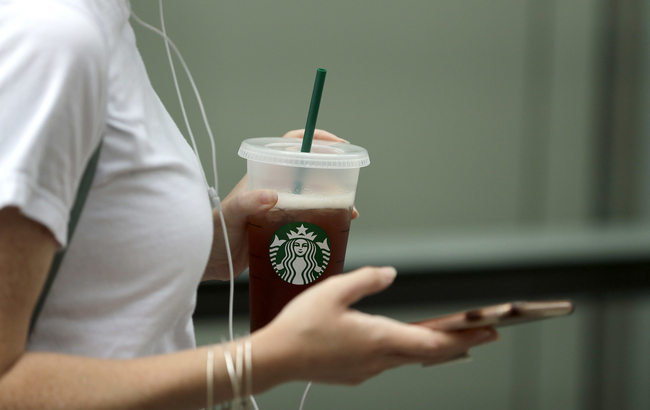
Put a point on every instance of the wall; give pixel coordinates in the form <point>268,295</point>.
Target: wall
<point>475,114</point>
<point>478,116</point>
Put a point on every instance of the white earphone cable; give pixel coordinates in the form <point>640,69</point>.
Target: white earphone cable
<point>178,90</point>
<point>211,191</point>
<point>304,396</point>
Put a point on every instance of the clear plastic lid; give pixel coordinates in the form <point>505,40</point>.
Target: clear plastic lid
<point>286,151</point>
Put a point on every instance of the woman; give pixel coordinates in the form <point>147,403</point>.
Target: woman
<point>116,330</point>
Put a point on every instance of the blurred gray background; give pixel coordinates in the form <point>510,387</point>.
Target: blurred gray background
<point>501,133</point>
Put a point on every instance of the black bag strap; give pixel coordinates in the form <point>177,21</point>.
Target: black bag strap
<point>75,213</point>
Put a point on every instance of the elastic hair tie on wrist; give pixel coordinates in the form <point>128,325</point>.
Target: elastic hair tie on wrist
<point>210,378</point>
<point>248,359</point>
<point>231,370</point>
<point>239,372</point>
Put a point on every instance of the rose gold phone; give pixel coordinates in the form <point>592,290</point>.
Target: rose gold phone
<point>501,315</point>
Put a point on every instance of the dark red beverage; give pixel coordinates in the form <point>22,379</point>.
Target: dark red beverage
<point>291,250</point>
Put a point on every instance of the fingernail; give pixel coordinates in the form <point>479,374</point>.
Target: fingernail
<point>486,335</point>
<point>462,358</point>
<point>268,197</point>
<point>389,273</point>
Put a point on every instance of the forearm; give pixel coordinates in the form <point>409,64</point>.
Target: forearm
<point>173,381</point>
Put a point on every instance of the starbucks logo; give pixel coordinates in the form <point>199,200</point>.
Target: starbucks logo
<point>299,252</point>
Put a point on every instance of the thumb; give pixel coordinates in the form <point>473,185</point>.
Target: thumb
<point>353,286</point>
<point>239,207</point>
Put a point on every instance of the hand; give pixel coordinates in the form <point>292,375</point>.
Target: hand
<point>317,337</point>
<point>237,206</point>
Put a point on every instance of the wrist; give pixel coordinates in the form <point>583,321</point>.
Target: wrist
<point>273,360</point>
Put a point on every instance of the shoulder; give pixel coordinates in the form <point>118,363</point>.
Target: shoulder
<point>50,29</point>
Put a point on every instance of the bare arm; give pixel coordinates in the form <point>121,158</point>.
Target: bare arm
<point>30,380</point>
<point>316,337</point>
<point>26,251</point>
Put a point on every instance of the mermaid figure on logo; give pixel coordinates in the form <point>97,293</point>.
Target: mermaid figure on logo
<point>300,256</point>
<point>300,262</point>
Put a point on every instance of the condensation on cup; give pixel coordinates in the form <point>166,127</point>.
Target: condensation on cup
<point>302,240</point>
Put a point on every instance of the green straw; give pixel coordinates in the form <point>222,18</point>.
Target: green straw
<point>313,110</point>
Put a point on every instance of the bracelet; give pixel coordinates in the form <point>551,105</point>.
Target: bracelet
<point>210,374</point>
<point>231,371</point>
<point>237,369</point>
<point>248,358</point>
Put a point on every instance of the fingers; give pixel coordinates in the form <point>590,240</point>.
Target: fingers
<point>318,134</point>
<point>475,337</point>
<point>425,346</point>
<point>350,287</point>
<point>464,357</point>
<point>241,188</point>
<point>321,135</point>
<point>435,346</point>
<point>239,207</point>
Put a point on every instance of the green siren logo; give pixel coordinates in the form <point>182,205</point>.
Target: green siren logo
<point>299,252</point>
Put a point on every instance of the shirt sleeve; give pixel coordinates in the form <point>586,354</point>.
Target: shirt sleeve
<point>53,86</point>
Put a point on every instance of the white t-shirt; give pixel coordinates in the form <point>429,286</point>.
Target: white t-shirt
<point>70,75</point>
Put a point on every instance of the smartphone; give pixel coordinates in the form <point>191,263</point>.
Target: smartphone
<point>505,314</point>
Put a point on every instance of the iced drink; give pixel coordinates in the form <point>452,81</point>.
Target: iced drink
<point>303,239</point>
<point>293,248</point>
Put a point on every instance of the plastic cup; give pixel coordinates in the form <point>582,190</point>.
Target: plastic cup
<point>303,239</point>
